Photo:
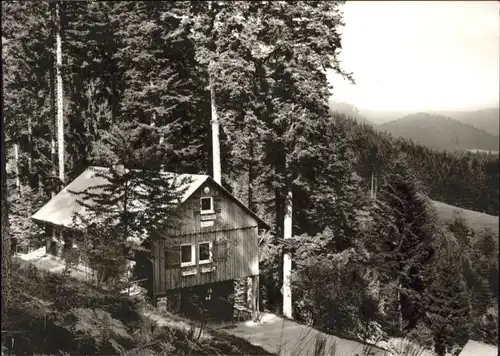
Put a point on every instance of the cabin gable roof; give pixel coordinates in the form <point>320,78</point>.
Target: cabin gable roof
<point>61,209</point>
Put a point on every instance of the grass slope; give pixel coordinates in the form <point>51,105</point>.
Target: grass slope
<point>477,221</point>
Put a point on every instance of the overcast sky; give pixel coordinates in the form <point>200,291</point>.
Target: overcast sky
<point>420,55</point>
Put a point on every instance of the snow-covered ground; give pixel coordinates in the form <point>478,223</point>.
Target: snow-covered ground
<point>286,337</point>
<point>55,264</point>
<point>40,259</point>
<point>33,255</point>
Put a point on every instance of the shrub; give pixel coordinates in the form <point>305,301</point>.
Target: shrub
<point>58,315</point>
<point>422,335</point>
<point>270,276</point>
<point>334,297</point>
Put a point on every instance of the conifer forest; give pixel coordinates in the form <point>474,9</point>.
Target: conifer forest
<point>141,83</point>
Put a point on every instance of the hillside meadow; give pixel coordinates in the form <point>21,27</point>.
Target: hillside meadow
<point>476,220</point>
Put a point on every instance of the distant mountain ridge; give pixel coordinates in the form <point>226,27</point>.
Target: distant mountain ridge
<point>485,119</point>
<point>466,130</point>
<point>348,110</point>
<point>441,132</point>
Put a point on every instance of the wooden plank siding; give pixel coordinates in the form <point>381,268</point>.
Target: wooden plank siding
<point>234,238</point>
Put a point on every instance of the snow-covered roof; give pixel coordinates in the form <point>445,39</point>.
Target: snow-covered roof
<point>63,207</point>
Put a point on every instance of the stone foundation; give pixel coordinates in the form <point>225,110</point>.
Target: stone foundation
<point>240,292</point>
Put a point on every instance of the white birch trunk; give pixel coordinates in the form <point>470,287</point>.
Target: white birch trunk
<point>16,168</point>
<point>216,163</point>
<point>400,310</point>
<point>53,154</point>
<point>50,239</point>
<point>153,117</point>
<point>372,193</point>
<point>30,146</point>
<point>153,123</point>
<point>59,98</point>
<point>215,138</point>
<point>30,153</point>
<point>287,258</point>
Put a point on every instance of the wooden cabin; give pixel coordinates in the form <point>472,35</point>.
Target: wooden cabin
<point>215,241</point>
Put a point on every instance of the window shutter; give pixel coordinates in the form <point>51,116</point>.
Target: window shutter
<point>217,204</point>
<point>196,206</point>
<point>173,256</point>
<point>220,251</point>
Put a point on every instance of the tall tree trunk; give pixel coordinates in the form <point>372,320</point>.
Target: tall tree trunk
<point>60,103</point>
<point>250,179</point>
<point>54,159</point>
<point>31,181</point>
<point>162,138</point>
<point>287,258</point>
<point>31,178</point>
<point>56,108</point>
<point>6,254</point>
<point>51,236</point>
<point>399,309</point>
<point>115,99</point>
<point>153,124</point>
<point>216,163</point>
<point>279,171</point>
<point>372,195</point>
<point>215,138</point>
<point>16,168</point>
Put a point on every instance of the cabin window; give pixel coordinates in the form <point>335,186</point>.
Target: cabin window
<point>187,255</point>
<point>205,252</point>
<point>207,205</point>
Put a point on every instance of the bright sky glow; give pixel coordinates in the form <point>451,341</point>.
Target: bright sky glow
<point>421,55</point>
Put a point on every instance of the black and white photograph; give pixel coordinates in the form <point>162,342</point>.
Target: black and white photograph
<point>219,178</point>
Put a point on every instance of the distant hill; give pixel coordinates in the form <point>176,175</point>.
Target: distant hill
<point>441,133</point>
<point>485,119</point>
<point>380,117</point>
<point>477,221</point>
<point>348,110</point>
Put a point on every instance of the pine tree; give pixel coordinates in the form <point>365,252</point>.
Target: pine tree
<point>27,66</point>
<point>447,304</point>
<point>92,79</point>
<point>401,240</point>
<point>329,191</point>
<point>462,232</point>
<point>163,89</point>
<point>484,268</point>
<point>130,206</point>
<point>266,54</point>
